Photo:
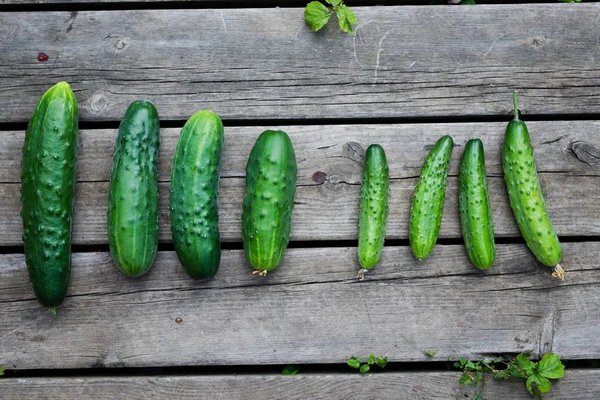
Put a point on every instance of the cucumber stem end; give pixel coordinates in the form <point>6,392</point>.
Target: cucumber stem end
<point>559,272</point>
<point>361,274</point>
<point>260,272</point>
<point>515,105</point>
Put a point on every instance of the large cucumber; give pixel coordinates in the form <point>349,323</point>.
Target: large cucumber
<point>48,191</point>
<point>133,193</point>
<point>194,195</point>
<point>428,199</point>
<point>269,200</point>
<point>525,194</point>
<point>374,195</point>
<point>475,210</point>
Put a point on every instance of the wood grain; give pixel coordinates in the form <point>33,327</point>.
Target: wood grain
<point>330,211</point>
<point>266,63</point>
<point>569,147</point>
<point>330,159</point>
<point>577,384</point>
<point>311,309</point>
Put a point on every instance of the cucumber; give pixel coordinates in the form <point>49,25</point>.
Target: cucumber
<point>133,193</point>
<point>525,195</point>
<point>194,195</point>
<point>475,210</point>
<point>374,195</point>
<point>269,200</point>
<point>48,191</point>
<point>428,199</point>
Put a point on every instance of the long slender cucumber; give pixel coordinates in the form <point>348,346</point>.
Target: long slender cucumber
<point>48,192</point>
<point>269,200</point>
<point>194,195</point>
<point>133,193</point>
<point>475,210</point>
<point>374,197</point>
<point>525,195</point>
<point>428,199</point>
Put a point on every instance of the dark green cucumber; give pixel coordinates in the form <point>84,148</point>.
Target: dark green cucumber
<point>48,191</point>
<point>133,193</point>
<point>269,200</point>
<point>475,210</point>
<point>374,195</point>
<point>428,199</point>
<point>525,195</point>
<point>194,195</point>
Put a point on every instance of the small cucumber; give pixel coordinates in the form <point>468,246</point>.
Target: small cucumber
<point>525,195</point>
<point>475,210</point>
<point>269,200</point>
<point>48,192</point>
<point>133,192</point>
<point>428,199</point>
<point>194,195</point>
<point>374,195</point>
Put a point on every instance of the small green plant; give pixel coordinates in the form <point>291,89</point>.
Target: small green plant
<point>317,15</point>
<point>537,375</point>
<point>2,369</point>
<point>290,370</point>
<point>52,310</point>
<point>430,353</point>
<point>365,366</point>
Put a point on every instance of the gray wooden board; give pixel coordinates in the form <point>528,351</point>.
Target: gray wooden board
<point>311,309</point>
<point>266,63</point>
<point>330,170</point>
<point>577,384</point>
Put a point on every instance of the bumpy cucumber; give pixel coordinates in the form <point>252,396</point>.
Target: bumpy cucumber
<point>269,200</point>
<point>133,193</point>
<point>47,192</point>
<point>475,210</point>
<point>525,194</point>
<point>374,195</point>
<point>194,195</point>
<point>428,199</point>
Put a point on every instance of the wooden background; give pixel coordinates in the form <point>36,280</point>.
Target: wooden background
<point>410,75</point>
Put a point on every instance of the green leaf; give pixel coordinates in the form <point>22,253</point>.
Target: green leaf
<point>334,2</point>
<point>52,310</point>
<point>551,367</point>
<point>2,369</point>
<point>354,362</point>
<point>430,353</point>
<point>470,364</point>
<point>371,359</point>
<point>316,15</point>
<point>364,368</point>
<point>381,361</point>
<point>504,374</point>
<point>467,2</point>
<point>477,397</point>
<point>465,380</point>
<point>290,370</point>
<point>346,17</point>
<point>524,364</point>
<point>463,361</point>
<point>536,382</point>
<point>478,377</point>
<point>486,360</point>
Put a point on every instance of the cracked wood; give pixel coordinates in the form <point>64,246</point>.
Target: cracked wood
<point>267,64</point>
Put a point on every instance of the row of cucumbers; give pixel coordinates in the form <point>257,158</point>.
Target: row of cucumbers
<point>524,192</point>
<point>48,190</point>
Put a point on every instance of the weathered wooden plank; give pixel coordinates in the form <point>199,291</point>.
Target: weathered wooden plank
<point>330,211</point>
<point>311,309</point>
<point>266,63</point>
<point>338,150</point>
<point>577,384</point>
<point>330,170</point>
